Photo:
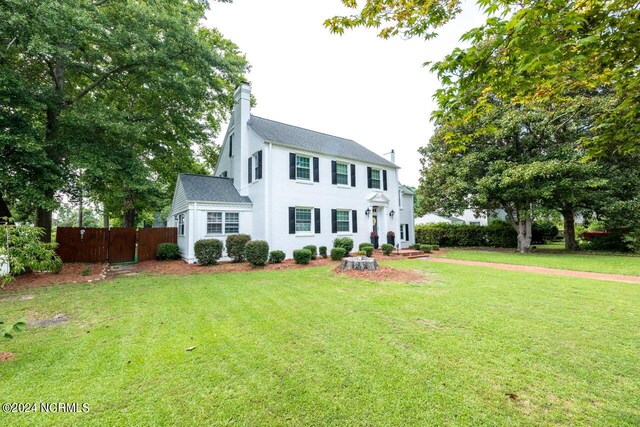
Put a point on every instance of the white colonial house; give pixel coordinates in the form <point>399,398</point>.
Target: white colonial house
<point>291,187</point>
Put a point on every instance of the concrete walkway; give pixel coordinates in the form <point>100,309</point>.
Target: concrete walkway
<point>542,270</point>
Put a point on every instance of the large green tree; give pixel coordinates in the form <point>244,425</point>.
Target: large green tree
<point>528,52</point>
<point>144,78</point>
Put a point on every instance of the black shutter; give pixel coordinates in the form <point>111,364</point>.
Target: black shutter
<point>384,180</point>
<point>259,171</point>
<point>354,221</point>
<point>292,166</point>
<point>334,172</point>
<point>316,169</point>
<point>334,220</point>
<point>249,162</point>
<point>369,185</point>
<point>353,175</point>
<point>231,146</point>
<point>292,220</point>
<point>316,218</point>
<point>406,232</point>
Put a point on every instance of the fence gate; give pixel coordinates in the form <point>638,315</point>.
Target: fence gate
<point>112,245</point>
<point>122,245</point>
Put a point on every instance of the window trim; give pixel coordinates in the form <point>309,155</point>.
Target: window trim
<point>227,222</point>
<point>180,224</point>
<point>346,174</point>
<point>223,223</point>
<point>373,180</point>
<point>255,167</point>
<point>348,221</point>
<point>298,177</point>
<point>304,232</point>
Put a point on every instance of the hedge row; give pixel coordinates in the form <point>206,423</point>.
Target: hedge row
<point>496,234</point>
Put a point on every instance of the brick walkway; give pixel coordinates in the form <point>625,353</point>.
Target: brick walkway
<point>542,270</point>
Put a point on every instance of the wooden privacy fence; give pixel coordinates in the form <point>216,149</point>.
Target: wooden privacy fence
<point>112,245</point>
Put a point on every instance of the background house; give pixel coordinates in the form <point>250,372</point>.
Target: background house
<point>468,217</point>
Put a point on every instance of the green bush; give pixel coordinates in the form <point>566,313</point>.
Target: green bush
<point>415,246</point>
<point>208,251</point>
<point>302,256</point>
<point>361,253</point>
<point>368,250</point>
<point>497,234</point>
<point>435,247</point>
<point>323,251</point>
<point>338,253</point>
<point>361,246</point>
<point>235,246</point>
<point>26,252</point>
<point>168,251</point>
<point>257,252</point>
<point>425,248</point>
<point>614,242</point>
<point>387,249</point>
<point>543,231</point>
<point>276,257</point>
<point>344,243</point>
<point>313,249</point>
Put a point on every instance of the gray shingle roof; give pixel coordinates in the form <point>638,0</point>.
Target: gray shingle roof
<point>305,139</point>
<point>204,188</point>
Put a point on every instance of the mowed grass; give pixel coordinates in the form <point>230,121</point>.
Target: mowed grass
<point>469,346</point>
<point>613,264</point>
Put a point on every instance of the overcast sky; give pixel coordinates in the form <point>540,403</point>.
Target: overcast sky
<point>357,86</point>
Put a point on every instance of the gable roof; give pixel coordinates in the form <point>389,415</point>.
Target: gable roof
<point>309,140</point>
<point>204,188</point>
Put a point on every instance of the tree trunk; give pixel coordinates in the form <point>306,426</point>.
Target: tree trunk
<point>4,210</point>
<point>570,243</point>
<point>80,209</point>
<point>129,217</point>
<point>105,221</point>
<point>44,221</point>
<point>524,234</point>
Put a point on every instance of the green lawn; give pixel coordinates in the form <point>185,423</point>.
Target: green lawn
<point>614,264</point>
<point>469,346</point>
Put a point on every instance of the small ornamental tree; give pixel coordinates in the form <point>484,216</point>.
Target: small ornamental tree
<point>235,246</point>
<point>23,247</point>
<point>208,251</point>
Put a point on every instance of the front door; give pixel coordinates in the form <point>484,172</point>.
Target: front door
<point>374,220</point>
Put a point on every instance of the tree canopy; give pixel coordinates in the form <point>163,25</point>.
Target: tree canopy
<point>125,90</point>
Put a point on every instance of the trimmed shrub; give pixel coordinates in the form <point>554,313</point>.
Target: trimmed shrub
<point>323,251</point>
<point>614,242</point>
<point>497,234</point>
<point>368,250</point>
<point>235,246</point>
<point>313,249</point>
<point>361,246</point>
<point>435,247</point>
<point>415,246</point>
<point>208,251</point>
<point>345,243</point>
<point>425,248</point>
<point>338,253</point>
<point>276,257</point>
<point>168,251</point>
<point>302,256</point>
<point>257,252</point>
<point>387,249</point>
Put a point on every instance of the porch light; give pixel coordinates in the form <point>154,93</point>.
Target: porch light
<point>367,212</point>
<point>392,213</point>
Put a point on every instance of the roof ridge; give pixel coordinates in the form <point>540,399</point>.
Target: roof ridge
<point>204,176</point>
<point>307,129</point>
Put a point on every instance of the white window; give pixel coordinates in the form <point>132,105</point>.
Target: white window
<point>214,222</point>
<point>342,174</point>
<point>342,220</point>
<point>303,220</point>
<point>375,178</point>
<point>181,224</point>
<point>231,223</point>
<point>400,199</point>
<point>256,166</point>
<point>303,169</point>
<point>402,234</point>
<point>474,223</point>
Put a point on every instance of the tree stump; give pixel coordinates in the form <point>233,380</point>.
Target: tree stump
<point>359,263</point>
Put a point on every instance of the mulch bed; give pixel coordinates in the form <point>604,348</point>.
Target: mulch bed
<point>73,272</point>
<point>70,273</point>
<point>383,274</point>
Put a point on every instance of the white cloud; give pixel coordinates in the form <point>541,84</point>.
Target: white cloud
<point>355,86</point>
